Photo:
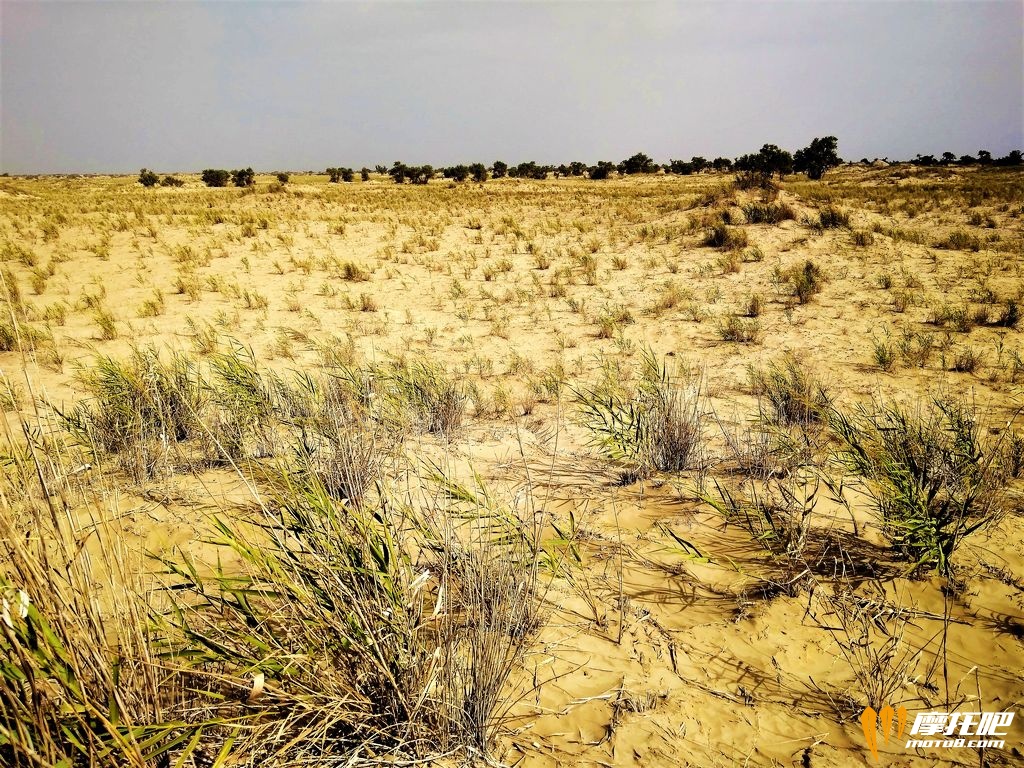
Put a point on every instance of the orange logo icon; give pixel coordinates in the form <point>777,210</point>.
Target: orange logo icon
<point>872,721</point>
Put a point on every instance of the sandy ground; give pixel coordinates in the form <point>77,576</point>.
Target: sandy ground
<point>654,655</point>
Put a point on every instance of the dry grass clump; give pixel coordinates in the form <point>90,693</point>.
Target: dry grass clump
<point>13,334</point>
<point>788,394</point>
<point>139,410</point>
<point>753,305</point>
<point>8,337</point>
<point>493,569</point>
<point>242,424</point>
<point>80,682</point>
<point>804,280</point>
<point>763,451</point>
<point>339,443</point>
<point>831,217</point>
<point>388,629</point>
<point>863,238</point>
<point>742,330</point>
<point>658,425</point>
<point>768,213</point>
<point>725,237</point>
<point>1009,316</point>
<point>931,475</point>
<point>339,631</point>
<point>884,354</point>
<point>874,638</point>
<point>612,319</point>
<point>342,626</point>
<point>106,323</point>
<point>354,272</point>
<point>959,240</point>
<point>966,359</point>
<point>669,297</point>
<point>428,397</point>
<point>959,318</point>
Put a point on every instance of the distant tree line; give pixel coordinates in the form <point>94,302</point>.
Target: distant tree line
<point>813,160</point>
<point>984,158</point>
<point>758,168</point>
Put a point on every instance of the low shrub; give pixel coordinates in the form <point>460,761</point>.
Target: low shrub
<point>929,474</point>
<point>805,280</point>
<point>788,394</point>
<point>768,213</point>
<point>960,241</point>
<point>656,426</point>
<point>832,218</point>
<point>726,238</point>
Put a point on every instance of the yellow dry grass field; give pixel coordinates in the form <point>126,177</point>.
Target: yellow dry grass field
<point>649,471</point>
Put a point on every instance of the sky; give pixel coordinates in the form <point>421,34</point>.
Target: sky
<point>93,86</point>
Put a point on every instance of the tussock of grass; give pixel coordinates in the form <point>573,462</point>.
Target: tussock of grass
<point>739,329</point>
<point>656,426</point>
<point>139,410</point>
<point>960,241</point>
<point>863,238</point>
<point>768,213</point>
<point>397,630</point>
<point>830,217</point>
<point>805,280</point>
<point>930,475</point>
<point>8,337</point>
<point>431,399</point>
<point>243,424</point>
<point>788,394</point>
<point>80,682</point>
<point>353,272</point>
<point>726,238</point>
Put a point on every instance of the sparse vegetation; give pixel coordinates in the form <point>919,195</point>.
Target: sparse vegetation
<point>284,552</point>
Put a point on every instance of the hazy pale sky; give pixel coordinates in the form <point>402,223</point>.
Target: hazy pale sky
<point>176,86</point>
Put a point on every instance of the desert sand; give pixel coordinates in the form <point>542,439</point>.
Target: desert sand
<point>675,636</point>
